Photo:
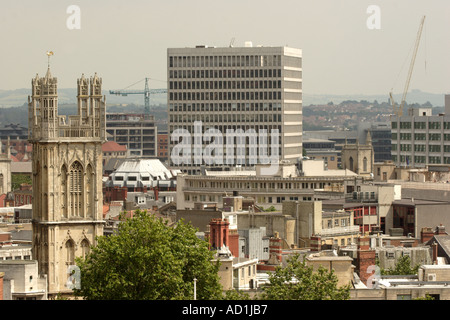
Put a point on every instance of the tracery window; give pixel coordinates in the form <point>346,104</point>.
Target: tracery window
<point>75,188</point>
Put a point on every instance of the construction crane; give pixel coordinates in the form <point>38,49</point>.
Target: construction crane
<point>146,92</point>
<point>398,110</point>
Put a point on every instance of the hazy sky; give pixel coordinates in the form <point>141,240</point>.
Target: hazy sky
<point>126,41</point>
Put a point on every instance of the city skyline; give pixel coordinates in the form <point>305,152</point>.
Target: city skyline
<point>128,41</point>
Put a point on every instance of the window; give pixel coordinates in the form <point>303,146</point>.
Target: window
<point>434,125</point>
<point>434,159</point>
<point>70,252</point>
<point>75,188</point>
<point>434,136</point>
<point>85,248</point>
<point>405,125</point>
<point>434,148</point>
<point>419,125</point>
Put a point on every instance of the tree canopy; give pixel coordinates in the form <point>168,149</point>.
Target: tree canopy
<point>297,281</point>
<point>402,267</point>
<point>149,260</point>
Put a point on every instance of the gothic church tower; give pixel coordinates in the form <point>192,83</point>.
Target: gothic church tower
<point>67,173</point>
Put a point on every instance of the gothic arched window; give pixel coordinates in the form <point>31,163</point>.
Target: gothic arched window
<point>70,252</point>
<point>365,164</point>
<point>84,248</point>
<point>63,187</point>
<point>76,188</point>
<point>89,188</point>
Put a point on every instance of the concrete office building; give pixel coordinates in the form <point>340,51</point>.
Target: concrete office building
<point>380,133</point>
<point>420,138</point>
<point>138,132</point>
<point>248,88</point>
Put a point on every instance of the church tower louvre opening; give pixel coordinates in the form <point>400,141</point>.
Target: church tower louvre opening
<point>67,173</point>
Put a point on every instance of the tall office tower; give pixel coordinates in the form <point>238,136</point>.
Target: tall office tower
<point>420,138</point>
<point>136,131</point>
<point>67,177</point>
<point>251,91</point>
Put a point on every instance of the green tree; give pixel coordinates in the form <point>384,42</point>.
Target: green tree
<point>270,209</point>
<point>297,281</point>
<point>426,297</point>
<point>149,260</point>
<point>18,179</point>
<point>236,295</point>
<point>402,267</point>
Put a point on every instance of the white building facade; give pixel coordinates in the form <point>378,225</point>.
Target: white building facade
<point>253,89</point>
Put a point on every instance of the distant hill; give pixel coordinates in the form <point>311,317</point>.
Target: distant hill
<point>415,96</point>
<point>14,98</point>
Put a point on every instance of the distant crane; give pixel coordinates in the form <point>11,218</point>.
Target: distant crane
<point>398,110</point>
<point>146,92</point>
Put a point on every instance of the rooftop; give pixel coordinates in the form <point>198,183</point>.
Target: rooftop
<point>112,146</point>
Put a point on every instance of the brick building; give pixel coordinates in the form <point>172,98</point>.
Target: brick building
<point>365,261</point>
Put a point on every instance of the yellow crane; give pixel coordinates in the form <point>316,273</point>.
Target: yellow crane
<point>398,110</point>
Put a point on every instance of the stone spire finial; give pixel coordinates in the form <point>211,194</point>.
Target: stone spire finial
<point>368,138</point>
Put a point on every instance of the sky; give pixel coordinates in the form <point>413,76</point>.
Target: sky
<point>127,41</point>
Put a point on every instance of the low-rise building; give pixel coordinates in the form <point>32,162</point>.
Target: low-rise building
<point>113,150</point>
<point>341,266</point>
<point>312,182</point>
<point>236,273</point>
<point>22,280</point>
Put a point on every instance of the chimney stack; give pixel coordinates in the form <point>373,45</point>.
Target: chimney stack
<point>365,259</point>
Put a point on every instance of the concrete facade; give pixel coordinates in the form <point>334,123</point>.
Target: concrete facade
<point>420,138</point>
<point>231,88</point>
<point>138,132</point>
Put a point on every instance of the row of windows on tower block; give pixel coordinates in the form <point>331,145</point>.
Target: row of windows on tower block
<point>223,107</point>
<point>228,85</point>
<point>225,73</point>
<point>433,125</point>
<point>219,118</point>
<point>422,147</point>
<point>421,159</point>
<point>201,61</point>
<point>235,95</point>
<point>421,136</point>
<point>263,129</point>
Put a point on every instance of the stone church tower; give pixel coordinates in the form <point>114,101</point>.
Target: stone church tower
<point>5,169</point>
<point>359,158</point>
<point>67,173</point>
